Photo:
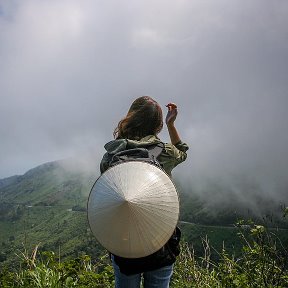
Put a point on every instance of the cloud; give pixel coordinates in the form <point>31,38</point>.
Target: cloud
<point>69,71</point>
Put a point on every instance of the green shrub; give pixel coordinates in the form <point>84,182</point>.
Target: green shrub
<point>262,263</point>
<point>47,271</point>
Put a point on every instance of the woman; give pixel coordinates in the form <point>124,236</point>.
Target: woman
<point>140,128</point>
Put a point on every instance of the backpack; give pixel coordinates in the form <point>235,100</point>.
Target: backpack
<point>163,257</point>
<point>148,154</point>
<point>168,253</point>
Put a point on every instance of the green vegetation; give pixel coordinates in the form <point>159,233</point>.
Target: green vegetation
<point>55,228</point>
<point>46,205</point>
<point>262,263</point>
<point>222,236</point>
<point>46,208</point>
<point>46,270</point>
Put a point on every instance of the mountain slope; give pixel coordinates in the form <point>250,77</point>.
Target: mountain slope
<point>49,184</point>
<point>47,205</point>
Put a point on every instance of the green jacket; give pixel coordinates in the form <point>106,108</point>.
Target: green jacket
<point>170,157</point>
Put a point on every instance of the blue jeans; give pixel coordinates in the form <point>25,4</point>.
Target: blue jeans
<point>158,278</point>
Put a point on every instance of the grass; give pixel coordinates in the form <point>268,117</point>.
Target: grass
<point>262,264</point>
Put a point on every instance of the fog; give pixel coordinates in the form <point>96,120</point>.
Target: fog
<point>70,69</point>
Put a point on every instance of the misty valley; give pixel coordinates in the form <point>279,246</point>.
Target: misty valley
<point>47,207</point>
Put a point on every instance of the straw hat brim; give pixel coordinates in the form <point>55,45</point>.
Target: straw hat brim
<point>133,209</point>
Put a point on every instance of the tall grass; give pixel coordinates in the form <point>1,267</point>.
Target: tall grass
<point>44,270</point>
<point>263,262</point>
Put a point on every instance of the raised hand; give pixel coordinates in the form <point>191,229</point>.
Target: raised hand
<point>171,114</point>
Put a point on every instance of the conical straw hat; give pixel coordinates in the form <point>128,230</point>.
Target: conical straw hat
<point>133,209</point>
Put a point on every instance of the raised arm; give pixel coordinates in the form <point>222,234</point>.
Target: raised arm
<point>170,119</point>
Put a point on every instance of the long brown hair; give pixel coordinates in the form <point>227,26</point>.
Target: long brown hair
<point>143,118</point>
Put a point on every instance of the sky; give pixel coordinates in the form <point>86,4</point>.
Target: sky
<point>70,69</point>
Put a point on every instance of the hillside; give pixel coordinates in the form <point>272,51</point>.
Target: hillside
<point>49,184</point>
<point>47,205</point>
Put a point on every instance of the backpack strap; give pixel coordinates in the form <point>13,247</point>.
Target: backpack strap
<point>129,154</point>
<point>155,150</point>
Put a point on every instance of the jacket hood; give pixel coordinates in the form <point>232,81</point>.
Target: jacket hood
<point>118,145</point>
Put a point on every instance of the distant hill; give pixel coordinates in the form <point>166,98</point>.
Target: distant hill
<point>48,184</point>
<point>10,180</point>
